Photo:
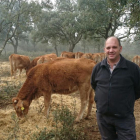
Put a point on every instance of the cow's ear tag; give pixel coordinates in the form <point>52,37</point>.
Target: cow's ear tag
<point>22,108</point>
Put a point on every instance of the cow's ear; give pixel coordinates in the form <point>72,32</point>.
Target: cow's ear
<point>15,100</point>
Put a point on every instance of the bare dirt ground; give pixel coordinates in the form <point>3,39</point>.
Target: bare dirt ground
<point>35,120</point>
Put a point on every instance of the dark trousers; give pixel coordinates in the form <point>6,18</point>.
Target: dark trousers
<point>116,128</point>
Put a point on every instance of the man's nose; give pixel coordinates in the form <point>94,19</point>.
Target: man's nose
<point>111,49</point>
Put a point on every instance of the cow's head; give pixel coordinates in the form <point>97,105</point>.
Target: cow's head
<point>21,106</point>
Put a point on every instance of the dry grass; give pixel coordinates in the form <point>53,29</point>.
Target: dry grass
<point>35,123</point>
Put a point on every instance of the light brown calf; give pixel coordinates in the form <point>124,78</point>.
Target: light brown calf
<point>67,54</point>
<point>46,58</point>
<point>102,55</point>
<point>62,76</point>
<point>98,57</point>
<point>78,55</point>
<point>87,55</point>
<point>136,60</point>
<point>35,60</point>
<point>18,62</point>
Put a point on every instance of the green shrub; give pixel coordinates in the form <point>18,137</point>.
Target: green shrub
<point>15,129</point>
<point>43,135</point>
<point>8,91</point>
<point>64,128</point>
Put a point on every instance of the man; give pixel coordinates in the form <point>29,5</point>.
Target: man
<point>116,82</point>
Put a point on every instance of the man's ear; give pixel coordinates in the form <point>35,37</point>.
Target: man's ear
<point>120,48</point>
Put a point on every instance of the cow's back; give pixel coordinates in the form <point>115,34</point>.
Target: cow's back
<point>67,54</point>
<point>62,75</point>
<point>41,59</point>
<point>47,58</point>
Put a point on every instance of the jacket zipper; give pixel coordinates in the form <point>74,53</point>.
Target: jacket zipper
<point>109,89</point>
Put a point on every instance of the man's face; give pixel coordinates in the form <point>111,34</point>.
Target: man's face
<point>112,49</point>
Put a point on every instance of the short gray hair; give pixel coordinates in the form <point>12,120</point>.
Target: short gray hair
<point>116,38</point>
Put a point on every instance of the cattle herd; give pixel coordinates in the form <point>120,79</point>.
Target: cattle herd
<point>66,74</point>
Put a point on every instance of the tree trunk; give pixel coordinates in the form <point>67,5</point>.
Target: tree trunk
<point>99,49</point>
<point>34,44</point>
<point>27,47</point>
<point>15,45</point>
<point>72,46</point>
<point>84,45</point>
<point>55,47</point>
<point>5,51</point>
<point>3,46</point>
<point>15,49</point>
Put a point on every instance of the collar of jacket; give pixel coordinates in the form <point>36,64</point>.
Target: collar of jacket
<point>121,64</point>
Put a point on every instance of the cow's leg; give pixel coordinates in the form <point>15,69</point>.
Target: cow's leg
<point>84,95</point>
<point>90,103</point>
<point>47,101</point>
<point>20,70</point>
<point>12,65</point>
<point>14,72</point>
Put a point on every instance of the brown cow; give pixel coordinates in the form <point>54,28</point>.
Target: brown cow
<point>78,55</point>
<point>34,61</point>
<point>18,62</point>
<point>87,55</point>
<point>62,76</point>
<point>102,56</point>
<point>46,58</point>
<point>98,57</point>
<point>67,54</point>
<point>136,60</point>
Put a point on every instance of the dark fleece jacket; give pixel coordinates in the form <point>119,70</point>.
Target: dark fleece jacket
<point>115,93</point>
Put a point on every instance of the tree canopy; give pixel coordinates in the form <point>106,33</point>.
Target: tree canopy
<point>66,21</point>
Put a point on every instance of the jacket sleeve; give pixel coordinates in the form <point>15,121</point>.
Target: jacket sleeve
<point>137,87</point>
<point>93,75</point>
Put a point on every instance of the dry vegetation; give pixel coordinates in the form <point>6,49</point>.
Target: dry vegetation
<point>35,123</point>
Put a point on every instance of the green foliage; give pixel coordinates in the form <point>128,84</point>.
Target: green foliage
<point>17,19</point>
<point>15,129</point>
<point>8,91</point>
<point>64,116</point>
<point>62,24</point>
<point>67,131</point>
<point>64,128</point>
<point>67,21</point>
<point>43,135</point>
<point>103,17</point>
<point>134,7</point>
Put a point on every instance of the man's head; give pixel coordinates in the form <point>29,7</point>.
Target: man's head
<point>113,49</point>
